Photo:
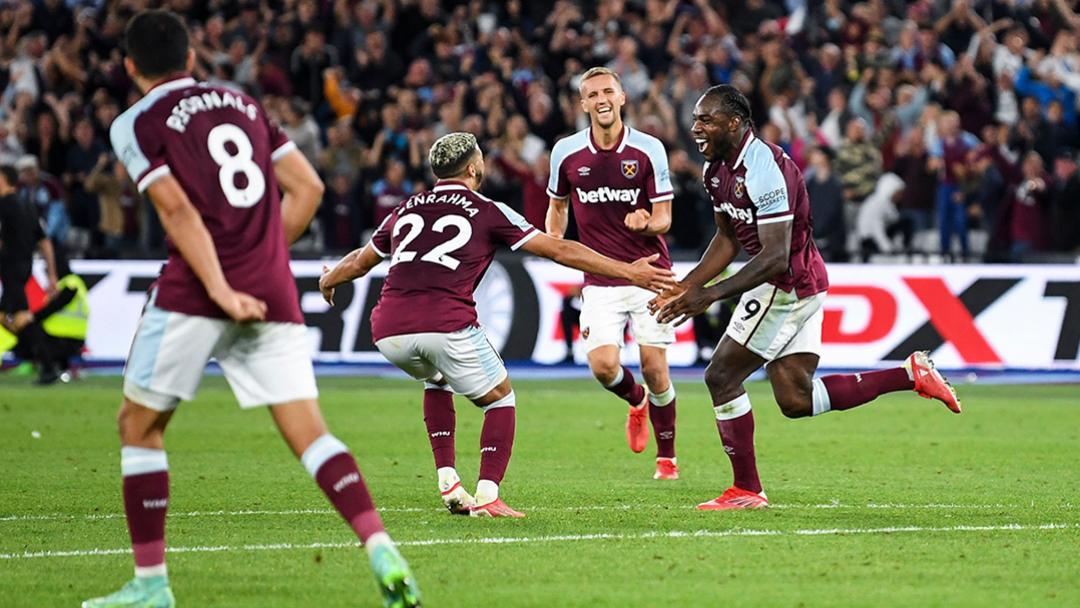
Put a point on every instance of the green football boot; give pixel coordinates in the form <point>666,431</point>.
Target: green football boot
<point>150,592</point>
<point>395,580</point>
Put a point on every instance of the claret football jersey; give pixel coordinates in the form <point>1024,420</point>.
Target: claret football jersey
<point>763,185</point>
<point>606,185</point>
<point>440,243</point>
<point>220,146</point>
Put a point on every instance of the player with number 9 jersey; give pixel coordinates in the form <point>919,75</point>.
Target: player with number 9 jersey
<point>220,146</point>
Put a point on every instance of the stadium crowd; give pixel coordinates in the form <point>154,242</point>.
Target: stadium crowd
<point>923,126</point>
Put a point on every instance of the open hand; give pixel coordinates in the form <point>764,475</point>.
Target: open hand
<point>645,275</point>
<point>637,220</point>
<point>693,301</point>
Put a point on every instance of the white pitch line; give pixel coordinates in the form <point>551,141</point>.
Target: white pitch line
<point>287,512</point>
<point>510,540</point>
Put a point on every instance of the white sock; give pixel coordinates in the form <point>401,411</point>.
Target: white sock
<point>151,571</point>
<point>379,539</point>
<point>618,379</point>
<point>486,491</point>
<point>820,401</point>
<point>447,478</point>
<point>664,398</point>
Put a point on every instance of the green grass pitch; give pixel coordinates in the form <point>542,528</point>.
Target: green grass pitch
<point>897,503</point>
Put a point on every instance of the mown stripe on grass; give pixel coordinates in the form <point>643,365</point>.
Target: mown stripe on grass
<point>506,540</point>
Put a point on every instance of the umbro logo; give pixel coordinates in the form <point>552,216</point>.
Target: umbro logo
<point>155,503</point>
<point>583,171</point>
<point>346,481</point>
<point>489,448</point>
<point>716,182</point>
<point>441,434</point>
<point>858,377</point>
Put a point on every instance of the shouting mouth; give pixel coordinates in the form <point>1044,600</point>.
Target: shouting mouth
<point>702,144</point>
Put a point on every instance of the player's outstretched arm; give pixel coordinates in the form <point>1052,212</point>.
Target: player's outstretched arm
<point>558,217</point>
<point>770,261</point>
<point>303,193</point>
<point>575,255</point>
<point>356,264</point>
<point>718,255</point>
<point>188,233</point>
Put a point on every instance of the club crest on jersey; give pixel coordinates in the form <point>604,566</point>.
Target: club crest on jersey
<point>583,171</point>
<point>740,186</point>
<point>629,168</point>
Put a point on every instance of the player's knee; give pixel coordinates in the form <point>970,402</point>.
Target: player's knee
<point>718,380</point>
<point>137,428</point>
<point>794,405</point>
<point>605,369</point>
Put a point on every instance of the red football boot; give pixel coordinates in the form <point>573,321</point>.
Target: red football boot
<point>929,382</point>
<point>736,498</point>
<point>495,508</point>
<point>637,426</point>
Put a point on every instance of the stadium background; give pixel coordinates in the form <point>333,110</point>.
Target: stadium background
<point>851,90</point>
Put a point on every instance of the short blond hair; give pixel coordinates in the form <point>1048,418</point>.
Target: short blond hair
<point>451,153</point>
<point>598,71</point>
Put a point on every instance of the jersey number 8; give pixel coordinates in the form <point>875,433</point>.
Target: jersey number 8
<point>232,163</point>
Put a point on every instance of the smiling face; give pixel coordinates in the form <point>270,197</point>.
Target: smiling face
<point>715,132</point>
<point>602,98</point>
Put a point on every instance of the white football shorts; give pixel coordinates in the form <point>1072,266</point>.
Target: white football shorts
<point>465,358</point>
<point>264,363</point>
<point>605,311</point>
<point>773,323</point>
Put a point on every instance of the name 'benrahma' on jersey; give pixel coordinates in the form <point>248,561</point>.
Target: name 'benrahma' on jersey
<point>606,185</point>
<point>220,146</point>
<point>762,186</point>
<point>440,243</point>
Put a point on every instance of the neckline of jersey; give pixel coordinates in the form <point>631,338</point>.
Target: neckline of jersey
<point>177,82</point>
<point>748,138</point>
<point>449,184</point>
<point>596,149</point>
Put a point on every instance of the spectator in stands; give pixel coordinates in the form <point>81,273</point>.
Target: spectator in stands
<point>912,165</point>
<point>878,220</point>
<point>858,162</point>
<point>82,155</point>
<point>1064,212</point>
<point>390,191</point>
<point>826,206</point>
<point>46,193</point>
<point>949,158</point>
<point>301,127</point>
<point>343,153</point>
<point>340,214</point>
<point>1028,208</point>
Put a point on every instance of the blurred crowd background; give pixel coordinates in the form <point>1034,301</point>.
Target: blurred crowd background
<point>924,128</point>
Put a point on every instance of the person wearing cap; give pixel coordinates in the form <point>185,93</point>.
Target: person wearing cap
<point>45,192</point>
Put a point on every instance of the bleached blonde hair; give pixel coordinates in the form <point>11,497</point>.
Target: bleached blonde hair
<point>451,153</point>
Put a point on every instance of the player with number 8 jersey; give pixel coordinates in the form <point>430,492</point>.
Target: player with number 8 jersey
<point>211,163</point>
<point>220,145</point>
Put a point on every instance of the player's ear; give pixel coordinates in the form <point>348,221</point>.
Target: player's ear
<point>129,67</point>
<point>190,66</point>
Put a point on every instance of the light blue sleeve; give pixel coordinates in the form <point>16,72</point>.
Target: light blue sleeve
<point>765,184</point>
<point>126,146</point>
